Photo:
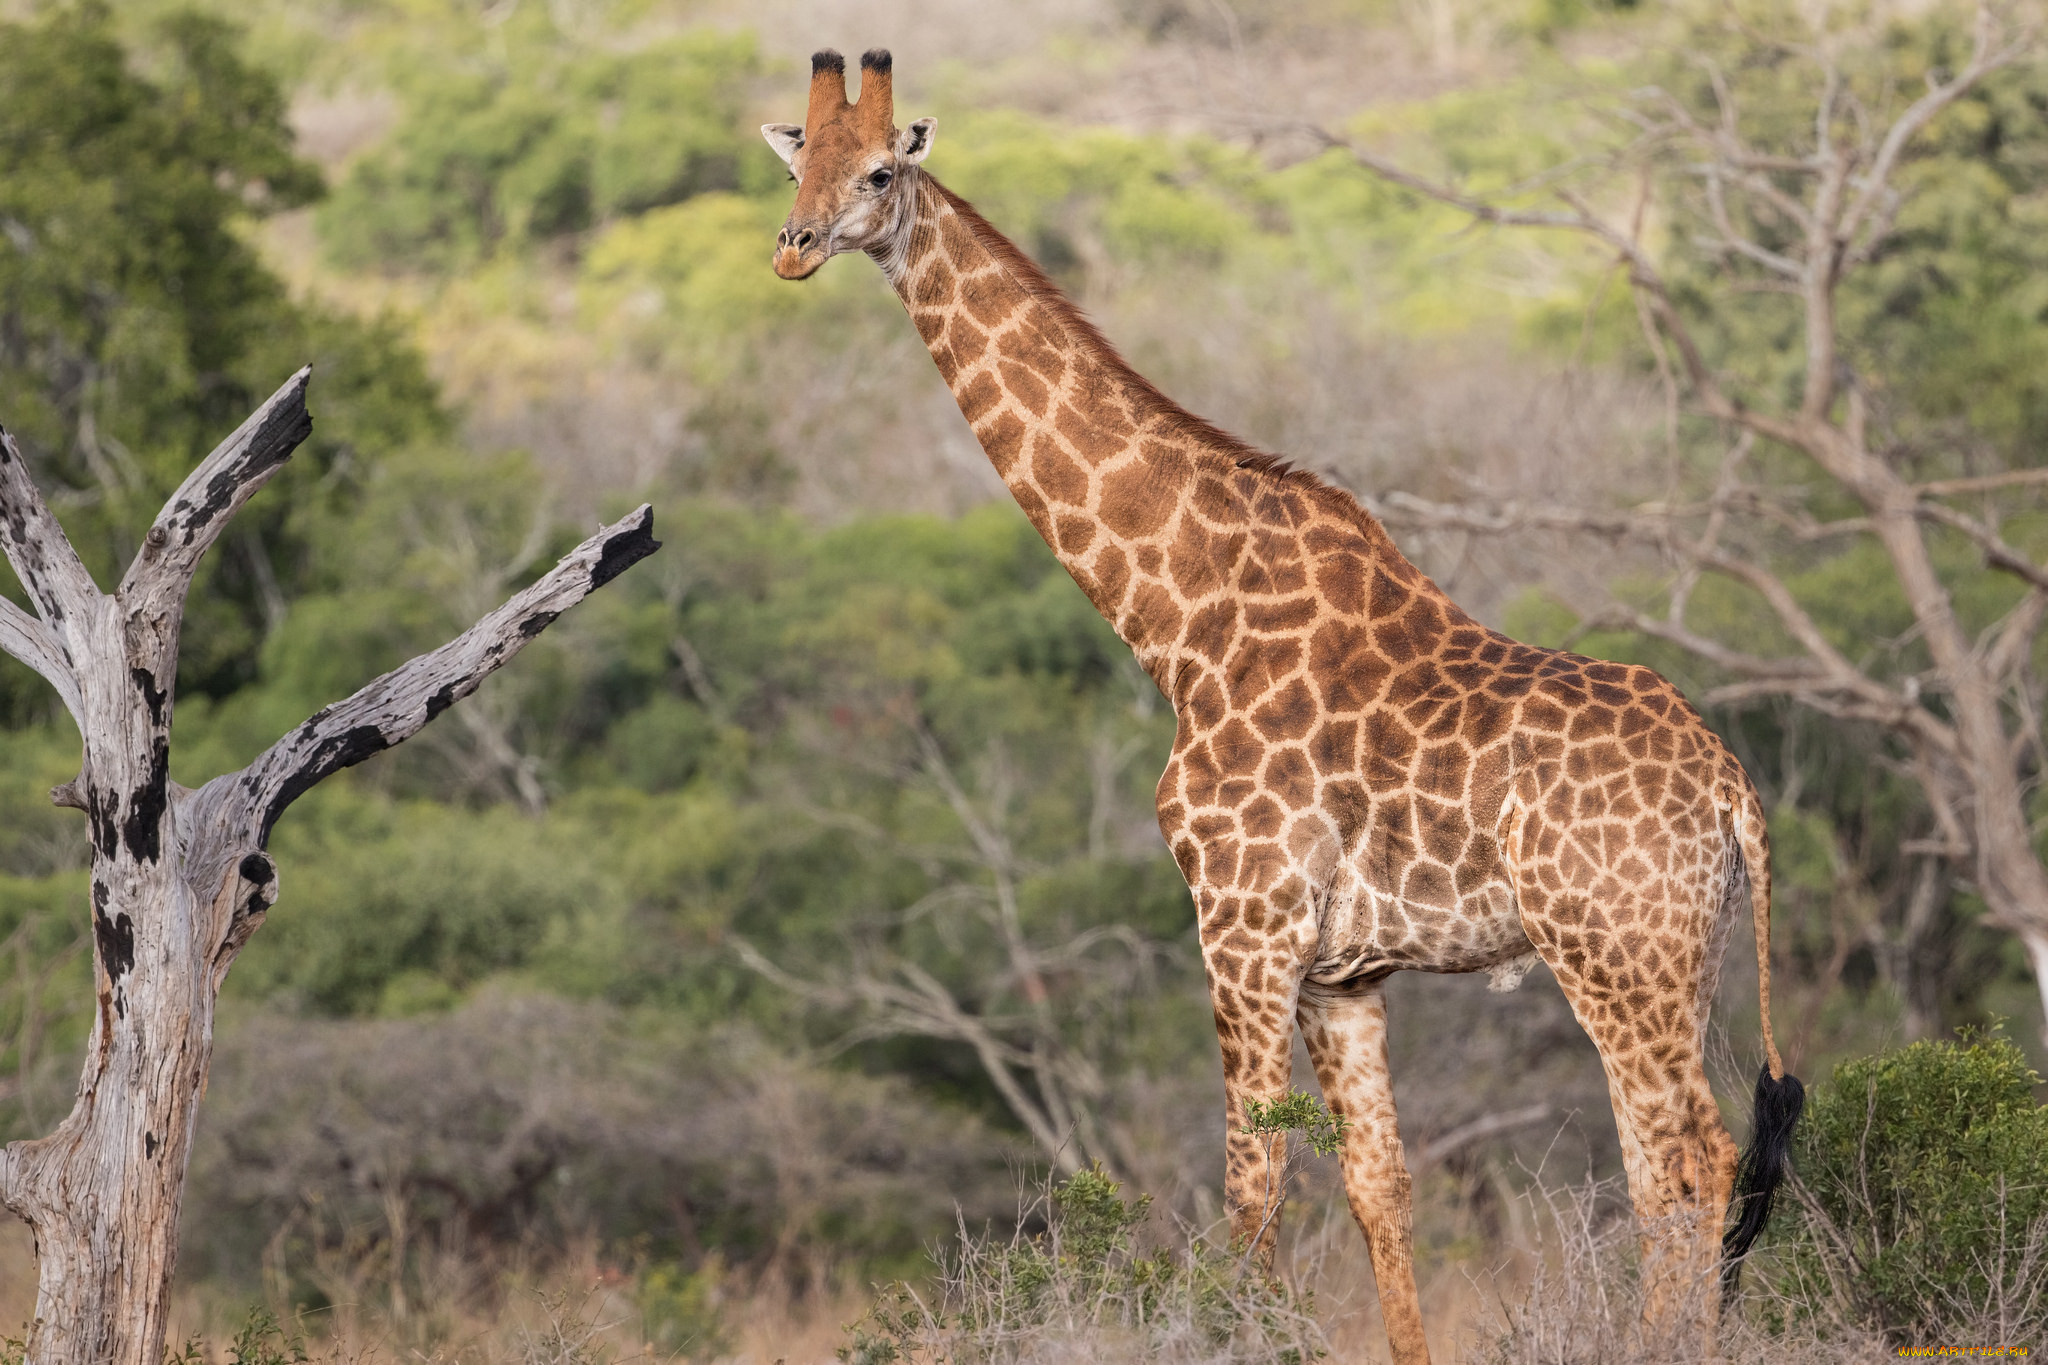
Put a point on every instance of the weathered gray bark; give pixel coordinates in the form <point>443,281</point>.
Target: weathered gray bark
<point>180,878</point>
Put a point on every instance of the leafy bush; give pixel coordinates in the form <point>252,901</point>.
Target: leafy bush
<point>1923,1208</point>
<point>547,139</point>
<point>1081,1290</point>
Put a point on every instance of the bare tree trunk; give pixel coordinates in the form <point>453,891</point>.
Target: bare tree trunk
<point>102,1192</point>
<point>180,878</point>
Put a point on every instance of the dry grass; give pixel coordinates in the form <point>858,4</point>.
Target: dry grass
<point>580,1310</point>
<point>1563,1290</point>
<point>1573,1295</point>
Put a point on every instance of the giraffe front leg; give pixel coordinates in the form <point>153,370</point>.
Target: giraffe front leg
<point>1346,1033</point>
<point>1252,988</point>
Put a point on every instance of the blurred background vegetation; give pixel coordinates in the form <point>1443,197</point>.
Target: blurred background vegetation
<point>785,898</point>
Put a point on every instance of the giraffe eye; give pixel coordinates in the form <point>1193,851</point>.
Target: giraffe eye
<point>880,179</point>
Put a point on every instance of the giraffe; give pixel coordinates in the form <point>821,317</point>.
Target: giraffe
<point>1364,779</point>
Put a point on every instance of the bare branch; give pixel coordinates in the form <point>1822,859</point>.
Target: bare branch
<point>1997,552</point>
<point>37,547</point>
<point>1650,522</point>
<point>213,493</point>
<point>1405,509</point>
<point>1790,613</point>
<point>1987,55</point>
<point>1733,240</point>
<point>395,706</point>
<point>926,1008</point>
<point>1436,1151</point>
<point>1479,208</point>
<point>1804,673</point>
<point>2012,640</point>
<point>1981,483</point>
<point>30,641</point>
<point>1643,276</point>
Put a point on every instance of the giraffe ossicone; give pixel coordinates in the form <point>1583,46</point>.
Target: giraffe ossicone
<point>1364,778</point>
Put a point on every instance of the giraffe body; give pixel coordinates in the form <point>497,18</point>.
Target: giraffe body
<point>1364,779</point>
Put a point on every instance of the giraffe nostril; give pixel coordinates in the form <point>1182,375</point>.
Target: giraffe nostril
<point>805,238</point>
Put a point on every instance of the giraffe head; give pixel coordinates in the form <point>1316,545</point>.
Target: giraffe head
<point>855,171</point>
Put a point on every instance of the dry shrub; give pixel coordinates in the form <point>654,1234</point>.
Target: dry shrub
<point>1581,1302</point>
<point>421,1165</point>
<point>1079,1289</point>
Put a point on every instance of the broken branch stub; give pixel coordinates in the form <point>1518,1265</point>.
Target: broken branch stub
<point>180,878</point>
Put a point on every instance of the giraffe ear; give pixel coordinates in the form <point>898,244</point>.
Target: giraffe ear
<point>914,143</point>
<point>786,138</point>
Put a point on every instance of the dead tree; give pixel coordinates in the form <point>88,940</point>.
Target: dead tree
<point>1796,220</point>
<point>180,878</point>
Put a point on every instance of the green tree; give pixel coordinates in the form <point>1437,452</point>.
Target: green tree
<point>546,137</point>
<point>137,324</point>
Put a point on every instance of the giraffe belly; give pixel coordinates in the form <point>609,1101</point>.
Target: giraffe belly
<point>1368,933</point>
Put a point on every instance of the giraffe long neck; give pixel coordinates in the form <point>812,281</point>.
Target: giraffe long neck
<point>1098,459</point>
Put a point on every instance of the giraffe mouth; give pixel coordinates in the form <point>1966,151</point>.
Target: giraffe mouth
<point>794,264</point>
<point>799,260</point>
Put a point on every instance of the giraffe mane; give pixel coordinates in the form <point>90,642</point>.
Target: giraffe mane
<point>1176,420</point>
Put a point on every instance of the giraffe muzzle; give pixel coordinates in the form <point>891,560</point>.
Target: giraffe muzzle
<point>799,251</point>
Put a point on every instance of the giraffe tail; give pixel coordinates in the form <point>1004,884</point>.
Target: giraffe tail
<point>1779,1096</point>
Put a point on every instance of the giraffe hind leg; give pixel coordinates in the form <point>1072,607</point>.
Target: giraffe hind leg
<point>1679,1157</point>
<point>1346,1034</point>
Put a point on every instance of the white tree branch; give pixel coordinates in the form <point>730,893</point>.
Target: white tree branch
<point>1738,242</point>
<point>1644,277</point>
<point>1792,672</point>
<point>37,547</point>
<point>30,641</point>
<point>213,493</point>
<point>927,1009</point>
<point>395,706</point>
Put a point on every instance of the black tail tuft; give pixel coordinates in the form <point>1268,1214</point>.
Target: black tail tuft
<point>1761,1170</point>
